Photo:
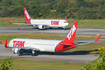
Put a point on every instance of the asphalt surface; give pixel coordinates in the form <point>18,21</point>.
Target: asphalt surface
<point>80,31</point>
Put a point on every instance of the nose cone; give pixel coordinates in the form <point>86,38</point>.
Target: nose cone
<point>66,23</point>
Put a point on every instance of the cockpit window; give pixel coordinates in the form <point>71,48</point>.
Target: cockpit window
<point>65,22</point>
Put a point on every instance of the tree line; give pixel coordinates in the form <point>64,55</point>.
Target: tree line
<point>77,9</point>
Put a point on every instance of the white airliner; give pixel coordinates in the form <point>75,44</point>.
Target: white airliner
<point>19,46</point>
<point>43,23</point>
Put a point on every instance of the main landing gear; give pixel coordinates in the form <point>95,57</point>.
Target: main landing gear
<point>64,28</point>
<point>51,53</point>
<point>33,53</point>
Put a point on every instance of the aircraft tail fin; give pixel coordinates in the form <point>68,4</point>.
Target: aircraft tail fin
<point>27,16</point>
<point>71,34</point>
<point>65,18</point>
<point>6,43</point>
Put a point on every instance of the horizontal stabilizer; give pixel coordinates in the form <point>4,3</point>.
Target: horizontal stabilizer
<point>65,43</point>
<point>20,22</point>
<point>8,20</point>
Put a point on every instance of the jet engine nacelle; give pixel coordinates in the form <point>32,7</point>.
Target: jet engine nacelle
<point>16,50</point>
<point>41,26</point>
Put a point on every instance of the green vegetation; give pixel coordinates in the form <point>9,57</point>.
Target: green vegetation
<point>94,25</point>
<point>76,9</point>
<point>6,64</point>
<point>99,62</point>
<point>38,65</point>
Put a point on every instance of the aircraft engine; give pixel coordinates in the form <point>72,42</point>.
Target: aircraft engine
<point>16,50</point>
<point>41,26</point>
<point>21,51</point>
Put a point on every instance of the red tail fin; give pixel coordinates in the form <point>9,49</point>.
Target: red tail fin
<point>65,18</point>
<point>71,35</point>
<point>6,43</point>
<point>27,16</point>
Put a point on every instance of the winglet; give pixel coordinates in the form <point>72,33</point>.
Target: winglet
<point>65,18</point>
<point>6,43</point>
<point>8,21</point>
<point>98,38</point>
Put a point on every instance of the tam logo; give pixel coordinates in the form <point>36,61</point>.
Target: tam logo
<point>73,29</point>
<point>27,14</point>
<point>54,22</point>
<point>18,43</point>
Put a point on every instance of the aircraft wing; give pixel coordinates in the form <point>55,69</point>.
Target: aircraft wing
<point>81,43</point>
<point>20,22</point>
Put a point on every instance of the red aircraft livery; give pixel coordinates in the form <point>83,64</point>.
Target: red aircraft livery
<point>54,22</point>
<point>18,43</point>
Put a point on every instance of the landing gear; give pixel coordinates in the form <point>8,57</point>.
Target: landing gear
<point>64,28</point>
<point>50,28</point>
<point>14,52</point>
<point>18,28</point>
<point>51,53</point>
<point>33,53</point>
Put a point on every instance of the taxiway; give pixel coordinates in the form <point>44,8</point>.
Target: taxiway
<point>80,31</point>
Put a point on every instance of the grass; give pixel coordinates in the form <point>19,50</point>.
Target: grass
<point>97,24</point>
<point>94,24</point>
<point>39,65</point>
